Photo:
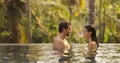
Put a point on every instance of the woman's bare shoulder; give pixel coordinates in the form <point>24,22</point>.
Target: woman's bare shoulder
<point>93,43</point>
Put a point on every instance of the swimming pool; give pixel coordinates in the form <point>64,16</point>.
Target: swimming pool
<point>43,53</point>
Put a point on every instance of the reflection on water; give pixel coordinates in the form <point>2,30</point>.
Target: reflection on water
<point>43,53</point>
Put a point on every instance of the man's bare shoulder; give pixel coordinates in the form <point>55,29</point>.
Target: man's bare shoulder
<point>58,44</point>
<point>57,40</point>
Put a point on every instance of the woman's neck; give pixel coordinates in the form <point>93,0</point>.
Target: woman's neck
<point>90,39</point>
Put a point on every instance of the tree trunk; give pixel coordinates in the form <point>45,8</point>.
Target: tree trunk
<point>28,31</point>
<point>100,23</point>
<point>14,26</point>
<point>70,9</point>
<point>91,12</point>
<point>12,23</point>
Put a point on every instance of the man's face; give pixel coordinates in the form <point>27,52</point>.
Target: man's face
<point>69,30</point>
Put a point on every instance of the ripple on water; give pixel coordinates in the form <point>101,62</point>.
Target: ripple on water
<point>43,53</point>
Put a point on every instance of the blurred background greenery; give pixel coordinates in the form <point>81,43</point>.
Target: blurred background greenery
<point>36,21</point>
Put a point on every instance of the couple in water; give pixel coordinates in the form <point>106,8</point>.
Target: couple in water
<point>62,46</point>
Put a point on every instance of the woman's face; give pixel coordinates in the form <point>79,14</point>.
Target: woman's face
<point>86,33</point>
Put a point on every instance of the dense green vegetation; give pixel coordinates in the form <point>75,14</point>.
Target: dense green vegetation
<point>36,21</point>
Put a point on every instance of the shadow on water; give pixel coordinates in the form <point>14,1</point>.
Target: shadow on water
<point>43,53</point>
<point>13,54</point>
<point>26,53</point>
<point>90,60</point>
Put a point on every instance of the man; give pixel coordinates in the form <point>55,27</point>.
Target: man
<point>60,43</point>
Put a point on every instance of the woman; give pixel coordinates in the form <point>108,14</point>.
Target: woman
<point>90,34</point>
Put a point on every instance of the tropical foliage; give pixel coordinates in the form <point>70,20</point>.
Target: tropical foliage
<point>26,21</point>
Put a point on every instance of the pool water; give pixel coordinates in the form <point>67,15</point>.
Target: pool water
<point>43,53</point>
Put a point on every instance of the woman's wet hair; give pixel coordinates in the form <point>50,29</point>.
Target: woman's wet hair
<point>93,31</point>
<point>63,25</point>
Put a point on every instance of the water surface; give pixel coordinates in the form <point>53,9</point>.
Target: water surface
<point>43,53</point>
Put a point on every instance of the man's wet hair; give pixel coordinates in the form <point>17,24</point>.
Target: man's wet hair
<point>63,25</point>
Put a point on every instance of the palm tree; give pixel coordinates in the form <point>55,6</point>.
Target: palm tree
<point>15,9</point>
<point>28,13</point>
<point>91,12</point>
